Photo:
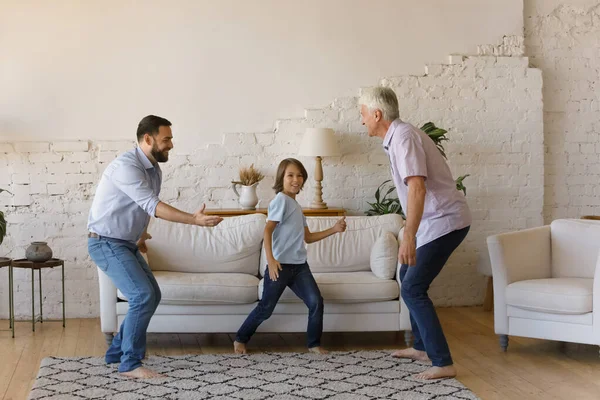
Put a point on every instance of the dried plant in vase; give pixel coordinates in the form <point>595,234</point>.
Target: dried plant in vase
<point>249,176</point>
<point>249,179</point>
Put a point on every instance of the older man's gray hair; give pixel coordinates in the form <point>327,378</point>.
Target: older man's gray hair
<point>383,99</point>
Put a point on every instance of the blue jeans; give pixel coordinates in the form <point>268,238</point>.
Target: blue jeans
<point>416,280</point>
<point>299,278</point>
<point>123,263</point>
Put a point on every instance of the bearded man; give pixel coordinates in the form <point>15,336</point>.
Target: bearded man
<point>125,200</point>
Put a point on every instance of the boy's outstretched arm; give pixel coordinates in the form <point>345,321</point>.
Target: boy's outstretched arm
<point>311,237</point>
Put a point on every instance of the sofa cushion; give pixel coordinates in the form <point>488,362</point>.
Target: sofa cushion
<point>575,246</point>
<point>181,288</point>
<point>232,246</point>
<point>384,256</point>
<point>349,251</point>
<point>347,287</point>
<point>555,295</point>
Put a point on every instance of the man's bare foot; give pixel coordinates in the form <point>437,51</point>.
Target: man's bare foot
<point>142,373</point>
<point>318,350</point>
<point>239,348</point>
<point>411,353</point>
<point>437,372</point>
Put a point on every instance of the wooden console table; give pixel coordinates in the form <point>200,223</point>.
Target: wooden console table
<point>309,212</point>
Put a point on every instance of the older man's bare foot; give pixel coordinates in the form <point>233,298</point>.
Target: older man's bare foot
<point>411,353</point>
<point>318,350</point>
<point>142,373</point>
<point>239,348</point>
<point>437,373</point>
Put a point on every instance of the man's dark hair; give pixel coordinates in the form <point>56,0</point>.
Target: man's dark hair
<point>150,125</point>
<point>281,173</point>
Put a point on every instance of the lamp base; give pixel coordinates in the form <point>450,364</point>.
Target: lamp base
<point>318,203</point>
<point>318,206</point>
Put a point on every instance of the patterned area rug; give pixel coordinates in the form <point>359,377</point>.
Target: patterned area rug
<point>355,375</point>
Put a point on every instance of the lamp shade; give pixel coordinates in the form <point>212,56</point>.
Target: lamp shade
<point>319,142</point>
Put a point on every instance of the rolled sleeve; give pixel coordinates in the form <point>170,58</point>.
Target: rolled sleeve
<point>276,209</point>
<point>410,158</point>
<point>132,181</point>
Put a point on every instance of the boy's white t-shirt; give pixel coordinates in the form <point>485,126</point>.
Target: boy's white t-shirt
<point>288,236</point>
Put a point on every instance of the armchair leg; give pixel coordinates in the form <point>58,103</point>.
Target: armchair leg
<point>108,337</point>
<point>503,342</point>
<point>407,337</point>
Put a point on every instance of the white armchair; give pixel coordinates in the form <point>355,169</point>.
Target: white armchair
<point>547,282</point>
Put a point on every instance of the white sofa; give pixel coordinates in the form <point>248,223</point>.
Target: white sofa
<point>547,282</point>
<point>211,278</point>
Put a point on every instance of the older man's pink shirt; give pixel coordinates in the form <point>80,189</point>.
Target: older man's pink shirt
<point>413,153</point>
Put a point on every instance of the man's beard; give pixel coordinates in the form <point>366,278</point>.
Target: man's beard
<point>159,156</point>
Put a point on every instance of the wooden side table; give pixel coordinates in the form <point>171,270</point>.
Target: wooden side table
<point>7,262</point>
<point>26,264</point>
<point>309,212</point>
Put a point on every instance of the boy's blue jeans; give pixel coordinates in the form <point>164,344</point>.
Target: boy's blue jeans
<point>426,327</point>
<point>299,278</point>
<point>123,263</point>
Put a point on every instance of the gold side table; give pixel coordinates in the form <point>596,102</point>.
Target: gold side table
<point>26,264</point>
<point>7,262</point>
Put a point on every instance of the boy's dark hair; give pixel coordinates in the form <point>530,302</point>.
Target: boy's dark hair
<point>281,172</point>
<point>150,125</point>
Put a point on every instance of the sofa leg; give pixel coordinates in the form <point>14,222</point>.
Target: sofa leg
<point>503,342</point>
<point>108,337</point>
<point>407,338</point>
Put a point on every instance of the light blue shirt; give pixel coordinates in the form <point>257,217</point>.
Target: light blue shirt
<point>288,236</point>
<point>126,197</point>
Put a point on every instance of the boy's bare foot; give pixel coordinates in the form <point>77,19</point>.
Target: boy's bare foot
<point>437,372</point>
<point>239,348</point>
<point>318,350</point>
<point>142,373</point>
<point>411,353</point>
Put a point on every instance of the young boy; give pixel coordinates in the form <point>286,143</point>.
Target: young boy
<point>285,234</point>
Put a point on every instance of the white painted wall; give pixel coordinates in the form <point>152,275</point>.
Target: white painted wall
<point>92,69</point>
<point>76,77</point>
<point>54,181</point>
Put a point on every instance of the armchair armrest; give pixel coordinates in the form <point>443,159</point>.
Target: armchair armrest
<point>108,304</point>
<point>521,255</point>
<point>517,256</point>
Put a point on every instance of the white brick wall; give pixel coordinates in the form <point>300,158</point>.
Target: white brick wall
<point>565,45</point>
<point>492,107</point>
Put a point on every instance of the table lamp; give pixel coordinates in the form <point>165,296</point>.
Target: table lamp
<point>319,142</point>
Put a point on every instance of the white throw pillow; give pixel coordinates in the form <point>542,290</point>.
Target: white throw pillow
<point>384,256</point>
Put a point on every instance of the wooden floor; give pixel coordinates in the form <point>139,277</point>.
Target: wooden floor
<point>531,369</point>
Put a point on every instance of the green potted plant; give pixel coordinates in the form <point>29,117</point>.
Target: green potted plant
<point>391,205</point>
<point>385,205</point>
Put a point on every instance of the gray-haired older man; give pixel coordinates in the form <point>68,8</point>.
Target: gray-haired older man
<point>437,221</point>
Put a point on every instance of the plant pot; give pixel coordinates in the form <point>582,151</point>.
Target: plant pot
<point>246,196</point>
<point>38,252</point>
